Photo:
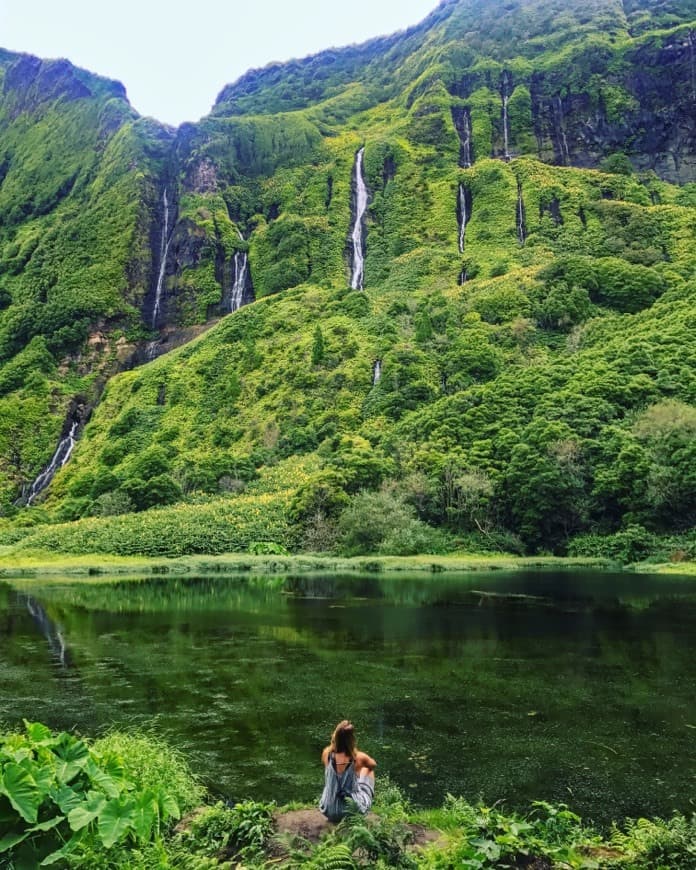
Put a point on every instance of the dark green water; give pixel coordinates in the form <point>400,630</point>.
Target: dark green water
<point>584,693</point>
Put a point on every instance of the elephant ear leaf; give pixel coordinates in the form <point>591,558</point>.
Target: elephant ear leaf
<point>86,812</point>
<point>115,820</point>
<point>72,757</point>
<point>12,839</point>
<point>22,791</point>
<point>40,734</point>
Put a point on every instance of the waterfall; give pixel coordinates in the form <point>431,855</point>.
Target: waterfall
<point>164,248</point>
<point>357,276</point>
<point>241,267</point>
<point>60,457</point>
<point>462,123</point>
<point>462,215</point>
<point>463,277</point>
<point>376,372</point>
<point>521,228</point>
<point>506,123</point>
<point>466,141</point>
<point>565,154</point>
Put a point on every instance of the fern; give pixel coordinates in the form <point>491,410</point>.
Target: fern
<point>332,856</point>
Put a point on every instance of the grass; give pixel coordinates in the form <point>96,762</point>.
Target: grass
<point>50,565</point>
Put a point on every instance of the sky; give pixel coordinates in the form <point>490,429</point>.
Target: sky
<point>175,57</point>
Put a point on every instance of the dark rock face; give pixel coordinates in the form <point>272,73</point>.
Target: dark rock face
<point>655,124</point>
<point>202,177</point>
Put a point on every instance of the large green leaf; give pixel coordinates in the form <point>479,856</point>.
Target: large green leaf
<point>145,812</point>
<point>169,808</point>
<point>20,787</point>
<point>72,755</point>
<point>40,734</point>
<point>102,779</point>
<point>63,852</point>
<point>11,839</point>
<point>116,819</point>
<point>65,798</point>
<point>14,837</point>
<point>86,812</point>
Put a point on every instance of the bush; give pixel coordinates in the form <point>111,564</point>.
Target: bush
<point>370,519</point>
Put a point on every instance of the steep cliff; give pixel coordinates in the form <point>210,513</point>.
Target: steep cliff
<point>515,181</point>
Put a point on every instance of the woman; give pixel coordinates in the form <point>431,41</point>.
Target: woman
<point>348,773</point>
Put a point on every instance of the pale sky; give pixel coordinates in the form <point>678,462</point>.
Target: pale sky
<point>175,57</point>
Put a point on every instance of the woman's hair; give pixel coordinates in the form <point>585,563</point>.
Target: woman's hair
<point>343,738</point>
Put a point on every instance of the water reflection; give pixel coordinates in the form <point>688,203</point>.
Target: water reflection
<point>573,687</point>
<point>52,632</point>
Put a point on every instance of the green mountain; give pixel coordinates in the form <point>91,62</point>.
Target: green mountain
<point>453,268</point>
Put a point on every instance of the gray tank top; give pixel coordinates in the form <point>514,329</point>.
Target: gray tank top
<point>337,787</point>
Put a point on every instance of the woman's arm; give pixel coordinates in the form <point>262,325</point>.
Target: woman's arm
<point>325,755</point>
<point>362,759</point>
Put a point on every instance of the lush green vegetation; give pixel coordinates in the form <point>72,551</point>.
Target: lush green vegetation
<point>111,803</point>
<point>537,390</point>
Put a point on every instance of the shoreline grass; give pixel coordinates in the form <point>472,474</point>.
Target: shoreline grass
<point>51,565</point>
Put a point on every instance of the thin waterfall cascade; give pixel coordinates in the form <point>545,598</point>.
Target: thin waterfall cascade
<point>239,289</point>
<point>65,448</point>
<point>463,213</point>
<point>376,372</point>
<point>462,123</point>
<point>506,86</point>
<point>521,221</point>
<point>560,124</point>
<point>692,59</point>
<point>165,241</point>
<point>357,235</point>
<point>240,268</point>
<point>463,277</point>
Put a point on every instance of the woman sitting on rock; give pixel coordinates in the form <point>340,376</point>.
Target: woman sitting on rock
<point>348,773</point>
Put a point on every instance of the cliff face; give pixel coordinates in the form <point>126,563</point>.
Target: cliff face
<point>496,138</point>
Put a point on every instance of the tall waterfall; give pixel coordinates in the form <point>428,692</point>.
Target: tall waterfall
<point>462,215</point>
<point>164,248</point>
<point>376,372</point>
<point>60,457</point>
<point>466,141</point>
<point>565,154</point>
<point>239,282</point>
<point>506,121</point>
<point>358,270</point>
<point>462,122</point>
<point>521,227</point>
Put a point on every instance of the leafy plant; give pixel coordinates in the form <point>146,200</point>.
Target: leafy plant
<point>58,794</point>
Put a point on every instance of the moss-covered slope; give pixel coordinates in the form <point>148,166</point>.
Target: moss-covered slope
<point>521,358</point>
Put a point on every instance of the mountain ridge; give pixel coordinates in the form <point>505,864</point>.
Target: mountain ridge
<point>521,202</point>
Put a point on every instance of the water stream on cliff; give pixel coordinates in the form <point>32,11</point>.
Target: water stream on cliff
<point>376,372</point>
<point>358,266</point>
<point>241,269</point>
<point>164,249</point>
<point>465,149</point>
<point>60,457</point>
<point>521,224</point>
<point>506,122</point>
<point>463,216</point>
<point>560,122</point>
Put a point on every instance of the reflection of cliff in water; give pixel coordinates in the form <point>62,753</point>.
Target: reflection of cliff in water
<point>49,629</point>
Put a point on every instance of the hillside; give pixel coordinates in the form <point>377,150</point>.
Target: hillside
<point>514,365</point>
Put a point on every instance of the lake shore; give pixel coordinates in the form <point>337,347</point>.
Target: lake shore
<point>50,565</point>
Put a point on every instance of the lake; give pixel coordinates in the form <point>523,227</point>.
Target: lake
<point>568,686</point>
